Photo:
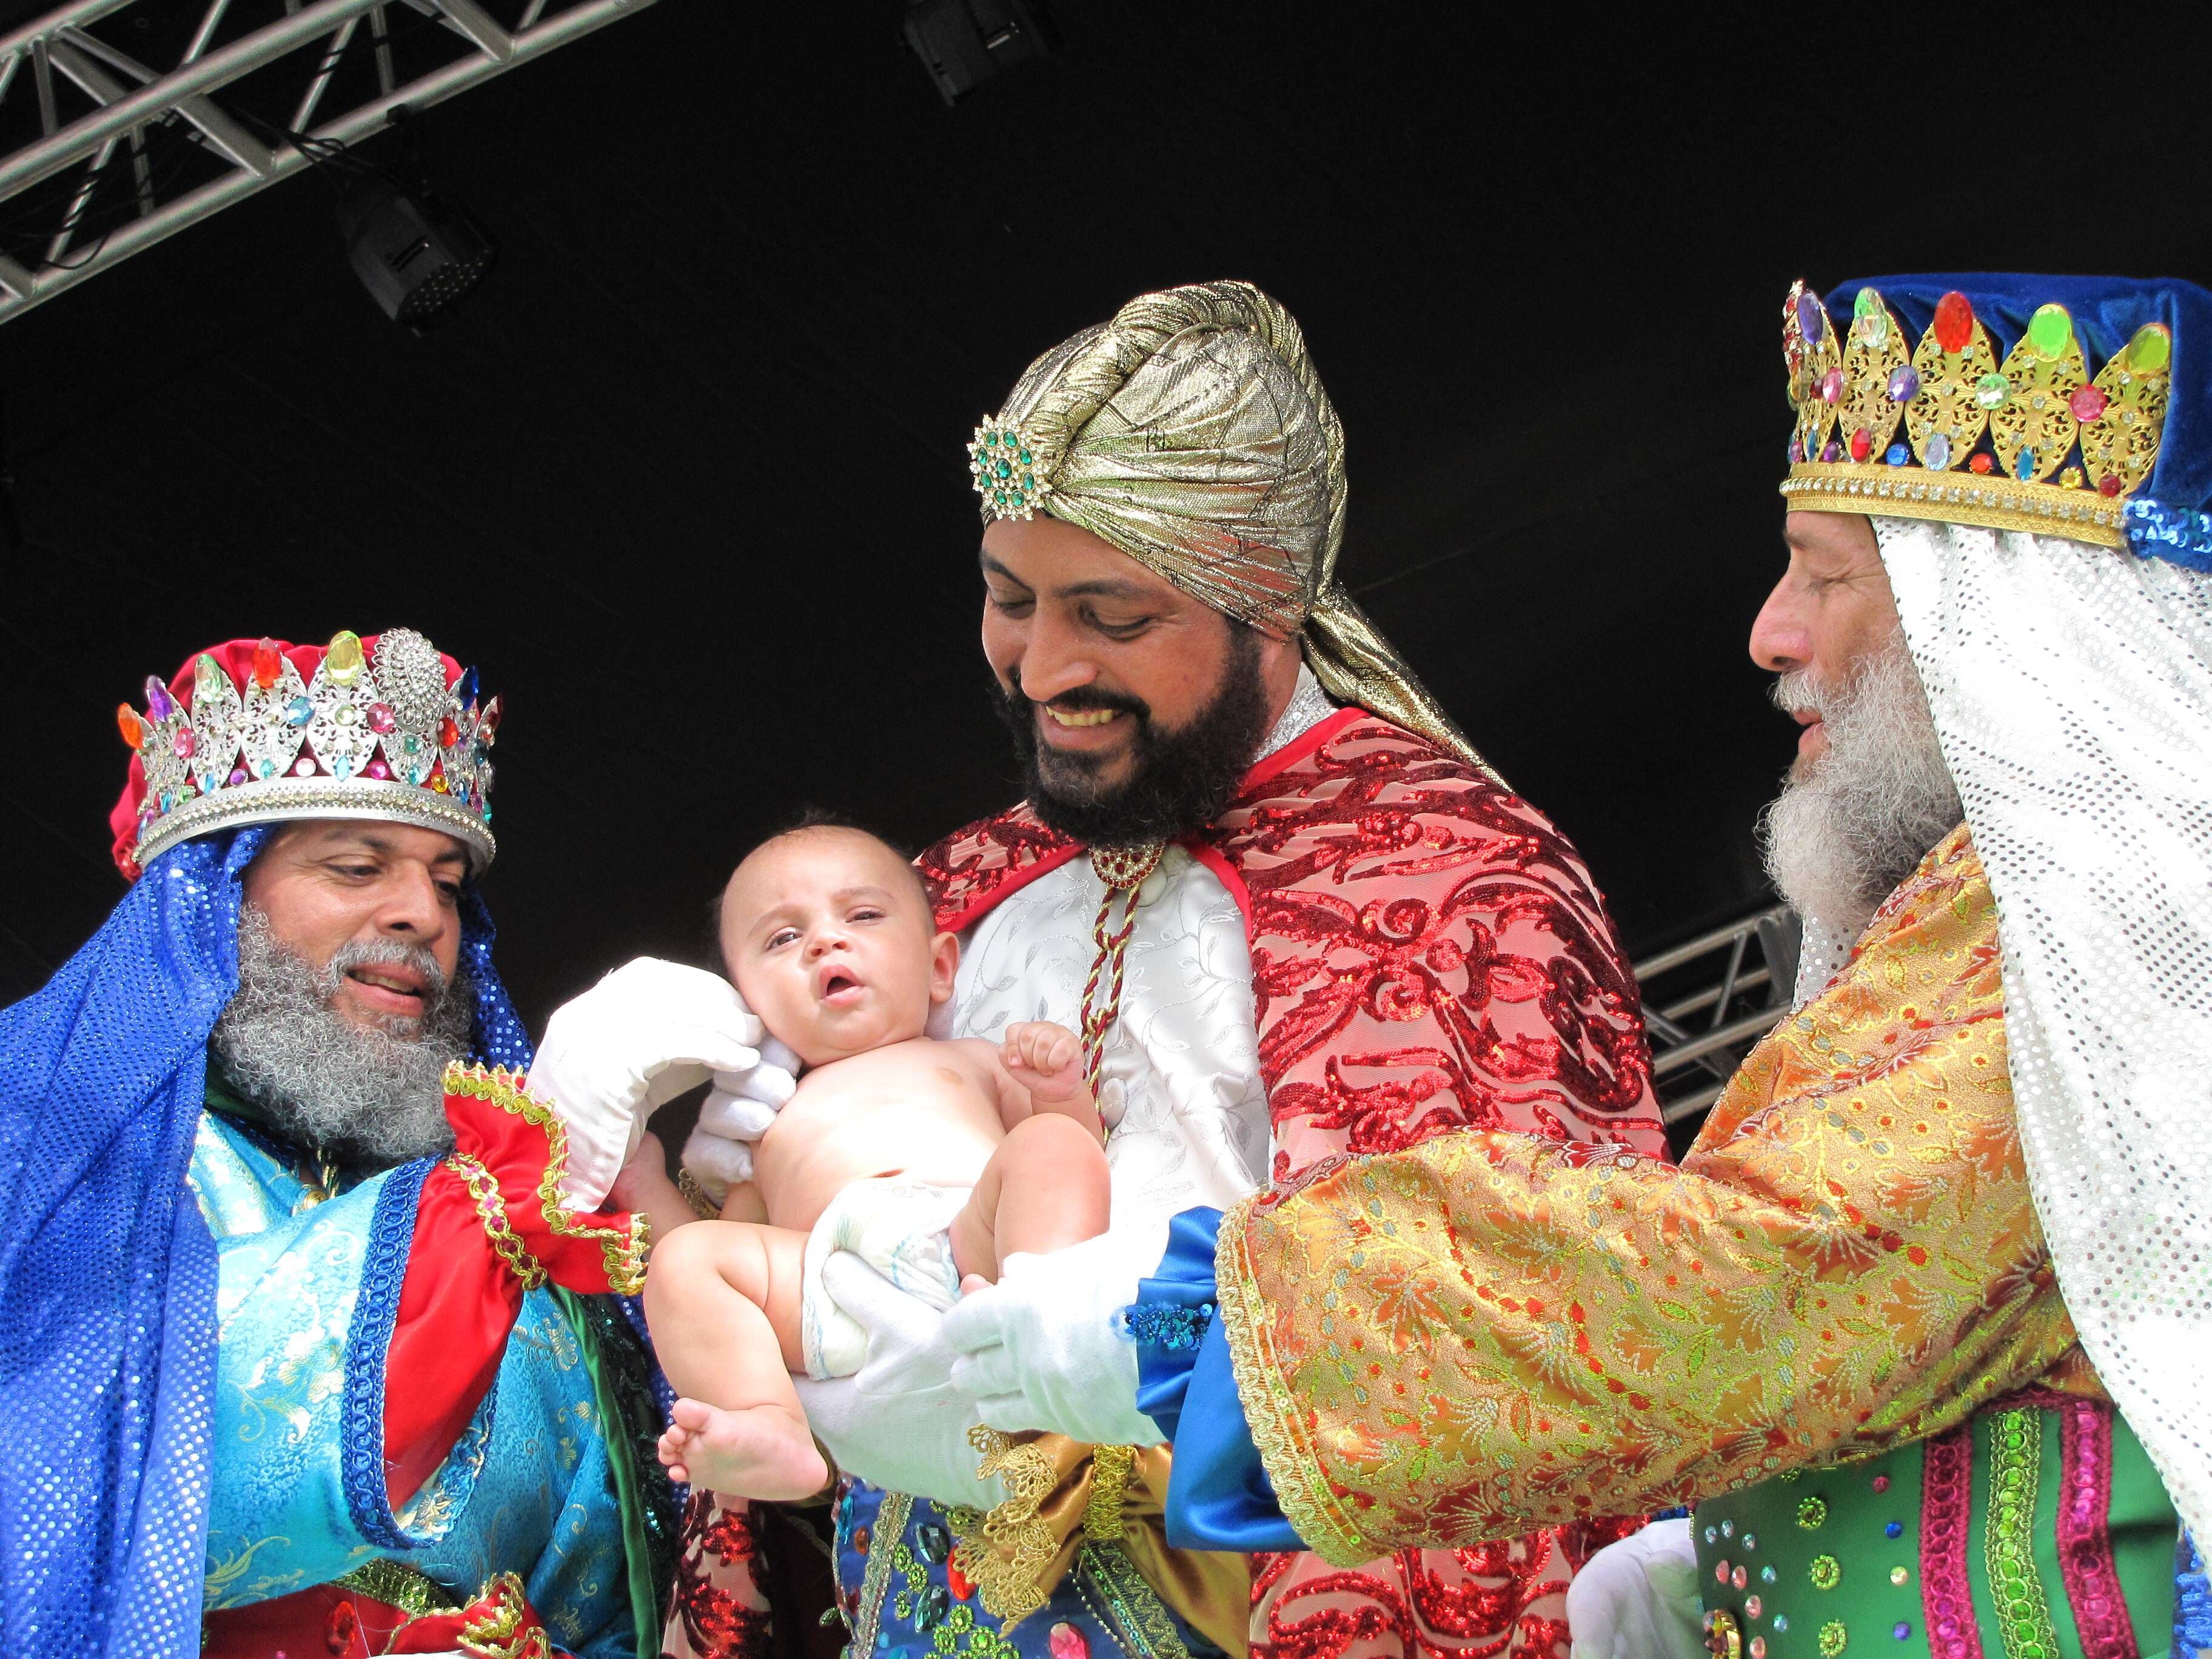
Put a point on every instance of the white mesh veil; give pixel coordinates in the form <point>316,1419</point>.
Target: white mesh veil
<point>2072,691</point>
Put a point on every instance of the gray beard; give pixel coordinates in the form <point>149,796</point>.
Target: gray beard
<point>362,1096</point>
<point>1854,824</point>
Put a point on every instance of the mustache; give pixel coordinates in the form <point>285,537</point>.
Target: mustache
<point>386,952</point>
<point>1080,700</point>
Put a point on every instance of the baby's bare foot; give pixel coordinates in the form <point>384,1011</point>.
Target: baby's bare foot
<point>758,1452</point>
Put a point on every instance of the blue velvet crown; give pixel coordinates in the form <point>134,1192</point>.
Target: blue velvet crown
<point>2075,406</point>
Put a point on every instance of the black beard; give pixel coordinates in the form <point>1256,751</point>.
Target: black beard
<point>1179,780</point>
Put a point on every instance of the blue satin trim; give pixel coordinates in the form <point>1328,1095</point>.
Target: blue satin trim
<point>1220,1497</point>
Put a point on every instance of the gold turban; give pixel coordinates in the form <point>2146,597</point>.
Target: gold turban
<point>1191,433</point>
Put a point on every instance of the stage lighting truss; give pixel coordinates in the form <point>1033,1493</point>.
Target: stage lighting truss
<point>124,121</point>
<point>1708,1002</point>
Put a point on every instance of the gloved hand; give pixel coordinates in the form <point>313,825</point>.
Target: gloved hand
<point>739,1110</point>
<point>1042,1349</point>
<point>897,1422</point>
<point>636,1039</point>
<point>1638,1599</point>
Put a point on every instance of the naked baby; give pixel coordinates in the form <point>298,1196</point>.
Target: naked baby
<point>932,1160</point>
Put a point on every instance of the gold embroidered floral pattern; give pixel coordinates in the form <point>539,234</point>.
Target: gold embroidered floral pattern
<point>1490,1332</point>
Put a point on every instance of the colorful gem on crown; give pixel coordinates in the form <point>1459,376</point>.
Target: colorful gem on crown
<point>276,745</point>
<point>1004,465</point>
<point>2034,443</point>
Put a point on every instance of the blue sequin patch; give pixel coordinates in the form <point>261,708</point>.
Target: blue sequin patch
<point>1168,1325</point>
<point>2179,535</point>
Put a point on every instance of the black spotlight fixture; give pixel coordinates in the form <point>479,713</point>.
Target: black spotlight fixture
<point>414,253</point>
<point>963,42</point>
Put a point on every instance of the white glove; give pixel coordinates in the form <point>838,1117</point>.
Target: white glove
<point>1042,1349</point>
<point>636,1039</point>
<point>740,1109</point>
<point>1638,1599</point>
<point>897,1422</point>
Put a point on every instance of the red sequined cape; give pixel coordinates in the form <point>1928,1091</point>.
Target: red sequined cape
<point>1428,954</point>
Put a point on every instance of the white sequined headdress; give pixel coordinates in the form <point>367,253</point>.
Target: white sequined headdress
<point>2071,687</point>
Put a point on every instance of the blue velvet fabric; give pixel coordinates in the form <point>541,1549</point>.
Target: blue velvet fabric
<point>2106,312</point>
<point>107,1271</point>
<point>1220,1497</point>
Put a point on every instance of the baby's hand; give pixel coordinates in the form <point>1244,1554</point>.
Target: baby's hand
<point>1047,1058</point>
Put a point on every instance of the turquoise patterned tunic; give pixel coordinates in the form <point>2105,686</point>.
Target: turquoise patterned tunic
<point>298,1497</point>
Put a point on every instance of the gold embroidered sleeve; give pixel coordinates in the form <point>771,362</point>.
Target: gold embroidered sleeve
<point>1489,1333</point>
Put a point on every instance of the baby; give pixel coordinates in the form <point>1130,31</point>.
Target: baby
<point>932,1160</point>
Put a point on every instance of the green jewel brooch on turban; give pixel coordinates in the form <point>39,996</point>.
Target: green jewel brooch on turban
<point>1005,468</point>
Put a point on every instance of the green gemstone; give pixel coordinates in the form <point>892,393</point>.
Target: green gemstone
<point>1026,457</point>
<point>989,439</point>
<point>1004,470</point>
<point>2151,349</point>
<point>1991,390</point>
<point>1029,481</point>
<point>1869,317</point>
<point>2049,332</point>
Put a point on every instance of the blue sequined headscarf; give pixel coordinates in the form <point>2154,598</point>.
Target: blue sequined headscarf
<point>107,1271</point>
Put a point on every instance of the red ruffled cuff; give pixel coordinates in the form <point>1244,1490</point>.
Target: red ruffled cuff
<point>511,1150</point>
<point>458,1301</point>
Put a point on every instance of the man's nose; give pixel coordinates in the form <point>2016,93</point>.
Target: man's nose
<point>1053,660</point>
<point>1780,640</point>
<point>412,907</point>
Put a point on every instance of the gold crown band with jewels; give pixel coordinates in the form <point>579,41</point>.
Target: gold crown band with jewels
<point>2064,453</point>
<point>381,738</point>
<point>1004,465</point>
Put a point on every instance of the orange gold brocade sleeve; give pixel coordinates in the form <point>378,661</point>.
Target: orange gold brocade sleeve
<point>1489,1333</point>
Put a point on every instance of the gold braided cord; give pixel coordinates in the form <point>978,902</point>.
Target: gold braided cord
<point>1191,431</point>
<point>484,1187</point>
<point>688,1188</point>
<point>623,1250</point>
<point>1122,872</point>
<point>1004,1554</point>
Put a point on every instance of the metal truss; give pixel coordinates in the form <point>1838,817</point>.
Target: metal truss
<point>1707,1002</point>
<point>124,121</point>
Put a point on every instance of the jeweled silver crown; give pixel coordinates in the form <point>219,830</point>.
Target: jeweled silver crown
<point>376,734</point>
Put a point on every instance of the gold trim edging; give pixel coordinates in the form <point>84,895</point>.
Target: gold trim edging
<point>1993,503</point>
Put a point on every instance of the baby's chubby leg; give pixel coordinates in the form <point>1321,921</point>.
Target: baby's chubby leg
<point>722,1300</point>
<point>1046,1186</point>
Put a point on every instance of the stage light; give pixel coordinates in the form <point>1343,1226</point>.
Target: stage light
<point>963,42</point>
<point>415,254</point>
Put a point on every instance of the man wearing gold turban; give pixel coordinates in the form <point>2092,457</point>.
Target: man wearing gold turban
<point>1294,915</point>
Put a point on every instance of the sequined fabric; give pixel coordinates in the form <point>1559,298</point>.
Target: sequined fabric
<point>1190,430</point>
<point>720,1609</point>
<point>2071,687</point>
<point>1497,1333</point>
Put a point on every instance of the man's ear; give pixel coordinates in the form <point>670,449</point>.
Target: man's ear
<point>943,964</point>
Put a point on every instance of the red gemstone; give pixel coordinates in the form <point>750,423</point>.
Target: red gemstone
<point>2087,404</point>
<point>1979,463</point>
<point>962,1586</point>
<point>487,722</point>
<point>1881,1483</point>
<point>183,742</point>
<point>2109,484</point>
<point>861,1537</point>
<point>1862,444</point>
<point>1067,1642</point>
<point>268,663</point>
<point>1954,322</point>
<point>448,733</point>
<point>381,718</point>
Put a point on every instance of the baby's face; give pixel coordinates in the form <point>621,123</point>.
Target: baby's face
<point>829,941</point>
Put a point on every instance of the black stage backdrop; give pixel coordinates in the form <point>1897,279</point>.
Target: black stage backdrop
<point>685,477</point>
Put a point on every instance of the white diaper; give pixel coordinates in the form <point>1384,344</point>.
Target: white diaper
<point>898,1227</point>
